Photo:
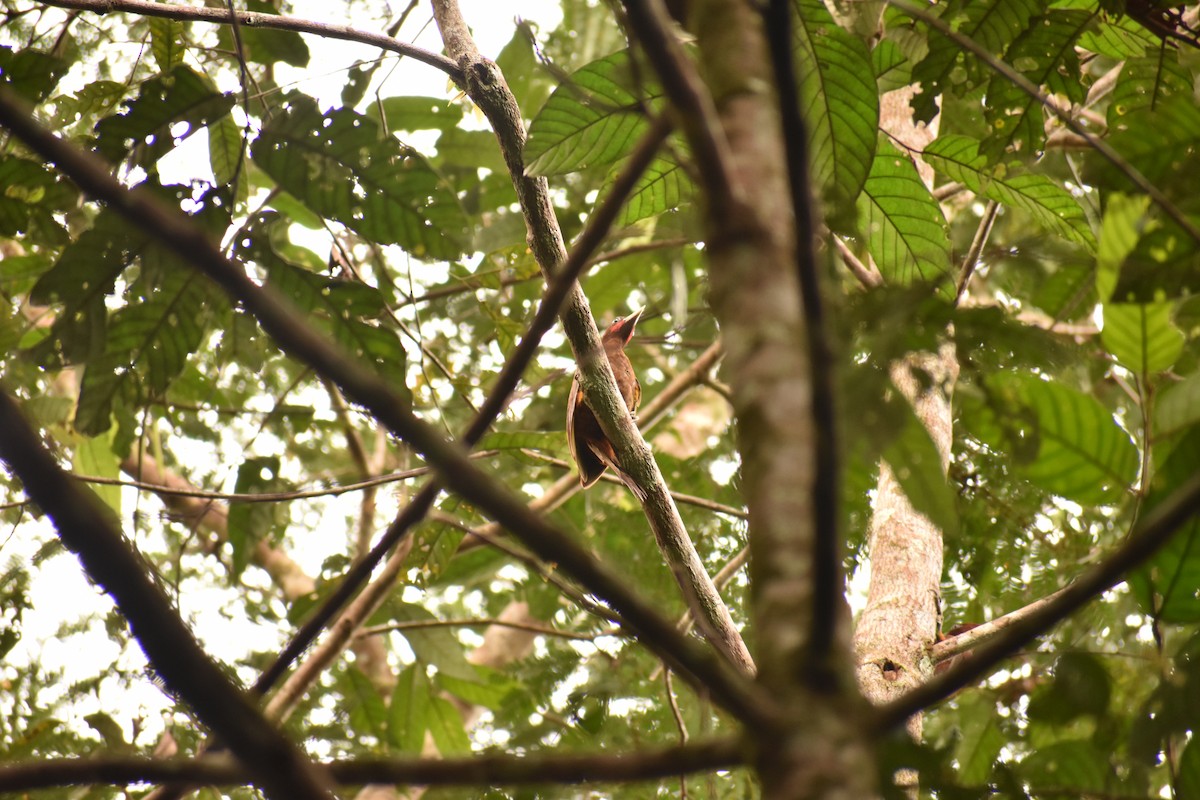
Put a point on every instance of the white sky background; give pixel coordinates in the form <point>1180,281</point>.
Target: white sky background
<point>60,593</point>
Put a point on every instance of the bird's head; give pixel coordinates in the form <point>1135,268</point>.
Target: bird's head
<point>621,329</point>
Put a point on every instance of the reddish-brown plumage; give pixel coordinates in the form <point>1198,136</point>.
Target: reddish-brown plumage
<point>591,449</point>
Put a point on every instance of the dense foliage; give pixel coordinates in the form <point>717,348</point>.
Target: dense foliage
<point>390,220</point>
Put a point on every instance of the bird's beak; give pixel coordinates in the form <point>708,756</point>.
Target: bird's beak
<point>624,328</point>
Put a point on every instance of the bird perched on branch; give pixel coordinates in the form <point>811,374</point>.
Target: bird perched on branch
<point>590,448</point>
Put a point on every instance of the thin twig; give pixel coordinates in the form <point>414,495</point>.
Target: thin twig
<point>977,244</point>
<point>686,499</point>
<point>254,19</point>
<point>376,630</point>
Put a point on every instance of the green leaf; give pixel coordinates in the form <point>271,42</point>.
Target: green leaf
<point>840,105</point>
<point>1082,454</point>
<point>344,309</point>
<point>168,42</point>
<point>228,155</point>
<point>903,224</point>
<point>1045,54</point>
<point>31,196</point>
<point>1081,687</point>
<point>250,523</point>
<point>1189,772</point>
<point>147,346</point>
<point>343,167</point>
<point>1142,337</point>
<point>446,727</point>
<point>416,113</point>
<point>994,24</point>
<point>31,73</point>
<point>1168,584</point>
<point>410,712</point>
<point>368,713</point>
<point>591,120</point>
<point>94,457</point>
<point>917,466</point>
<point>437,646</point>
<point>83,276</point>
<point>1159,141</point>
<point>489,690</point>
<point>1178,407</point>
<point>1147,83</point>
<point>147,129</point>
<point>1119,230</point>
<point>981,742</point>
<point>1052,206</point>
<point>1077,767</point>
<point>664,186</point>
<point>265,45</point>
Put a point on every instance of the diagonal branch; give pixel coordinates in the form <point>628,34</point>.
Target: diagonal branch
<point>484,84</point>
<point>1154,531</point>
<point>506,382</point>
<point>85,528</point>
<point>288,328</point>
<point>1024,84</point>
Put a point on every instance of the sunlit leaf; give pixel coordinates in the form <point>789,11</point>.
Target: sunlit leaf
<point>592,119</point>
<point>839,103</point>
<point>903,225</point>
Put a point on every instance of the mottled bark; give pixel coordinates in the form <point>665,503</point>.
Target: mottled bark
<point>900,619</point>
<point>755,293</point>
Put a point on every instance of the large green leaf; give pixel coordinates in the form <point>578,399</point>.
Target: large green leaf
<point>592,119</point>
<point>1142,337</point>
<point>250,523</point>
<point>1045,54</point>
<point>148,127</point>
<point>1159,141</point>
<point>664,186</point>
<point>416,113</point>
<point>839,102</point>
<point>343,167</point>
<point>31,73</point>
<point>30,198</point>
<point>1076,767</point>
<point>994,24</point>
<point>409,712</point>
<point>903,225</point>
<point>1081,453</point>
<point>915,462</point>
<point>1178,408</point>
<point>1147,82</point>
<point>957,157</point>
<point>84,274</point>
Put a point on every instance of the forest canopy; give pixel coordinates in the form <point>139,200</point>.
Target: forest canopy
<point>294,304</point>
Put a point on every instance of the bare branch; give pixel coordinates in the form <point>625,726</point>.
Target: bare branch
<point>478,770</point>
<point>253,19</point>
<point>1151,533</point>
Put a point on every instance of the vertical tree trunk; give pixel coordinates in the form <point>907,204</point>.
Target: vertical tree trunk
<point>755,293</point>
